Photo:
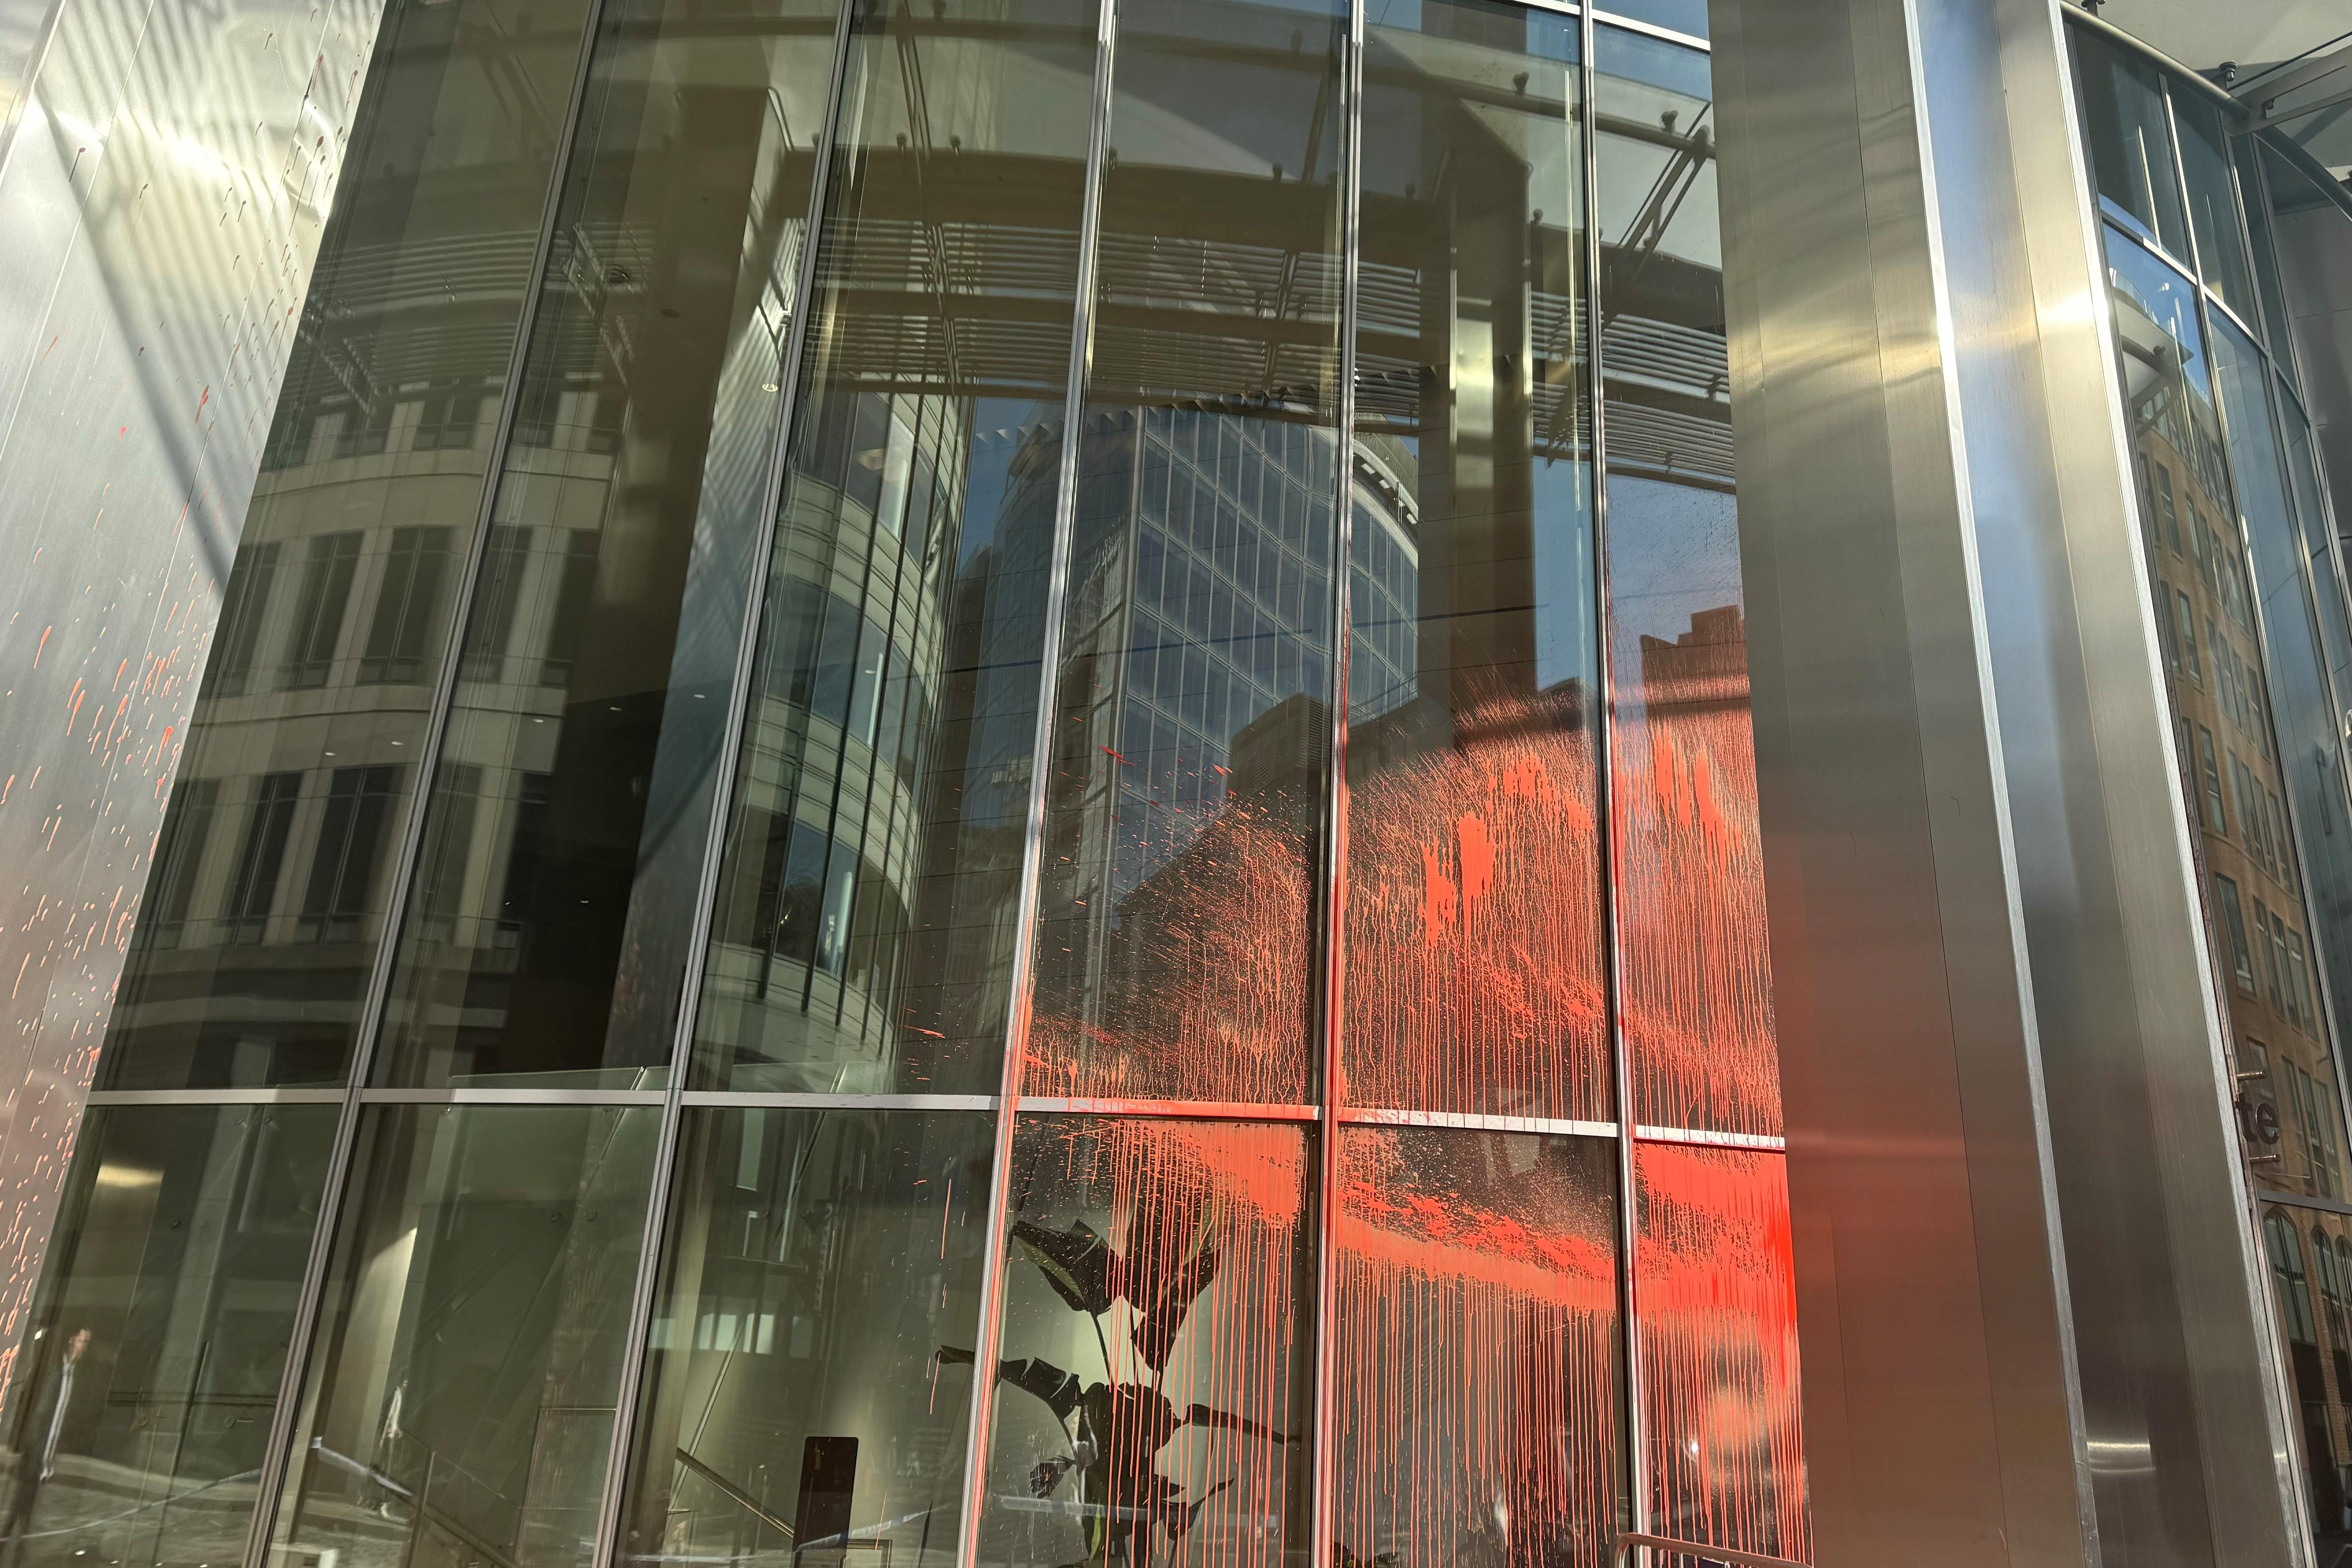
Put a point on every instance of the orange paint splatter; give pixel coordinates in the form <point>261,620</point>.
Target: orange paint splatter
<point>1503,1013</point>
<point>1697,1003</point>
<point>1715,1301</point>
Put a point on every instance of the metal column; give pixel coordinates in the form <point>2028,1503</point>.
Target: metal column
<point>1996,1008</point>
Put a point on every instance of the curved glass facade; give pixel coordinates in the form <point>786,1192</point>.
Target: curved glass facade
<point>2247,595</point>
<point>977,790</point>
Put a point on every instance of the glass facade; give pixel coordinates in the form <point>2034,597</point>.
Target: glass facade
<point>2249,607</point>
<point>977,790</point>
<point>462,1375</point>
<point>159,1336</point>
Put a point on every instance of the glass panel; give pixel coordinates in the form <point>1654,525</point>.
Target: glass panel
<point>306,733</point>
<point>140,1401</point>
<point>2310,1257</point>
<point>2303,618</point>
<point>2263,245</point>
<point>1717,1304</point>
<point>2221,698</point>
<point>864,927</point>
<point>1682,16</point>
<point>2213,202</point>
<point>467,1363</point>
<point>800,1397</point>
<point>2319,538</point>
<point>1153,1388</point>
<point>547,942</point>
<point>1474,1355</point>
<point>1473,903</point>
<point>2213,590</point>
<point>1697,976</point>
<point>2313,234</point>
<point>1193,717</point>
<point>2325,819</point>
<point>2129,143</point>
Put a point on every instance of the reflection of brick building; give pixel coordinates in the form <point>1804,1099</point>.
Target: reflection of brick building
<point>1704,670</point>
<point>2206,617</point>
<point>1697,1004</point>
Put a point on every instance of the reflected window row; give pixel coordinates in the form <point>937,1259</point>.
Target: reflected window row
<point>2209,230</point>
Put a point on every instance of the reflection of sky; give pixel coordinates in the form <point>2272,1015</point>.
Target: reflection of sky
<point>1682,16</point>
<point>1563,575</point>
<point>2165,295</point>
<point>986,479</point>
<point>1674,551</point>
<point>1639,58</point>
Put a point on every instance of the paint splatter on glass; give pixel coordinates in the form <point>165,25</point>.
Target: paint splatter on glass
<point>1715,1310</point>
<point>1475,1374</point>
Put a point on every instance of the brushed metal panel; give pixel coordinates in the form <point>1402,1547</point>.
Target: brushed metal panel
<point>23,28</point>
<point>1931,1311</point>
<point>168,170</point>
<point>2008,1135</point>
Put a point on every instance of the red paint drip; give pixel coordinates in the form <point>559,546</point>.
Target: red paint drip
<point>1218,1489</point>
<point>1697,1003</point>
<point>1471,909</point>
<point>1715,1301</point>
<point>1475,1363</point>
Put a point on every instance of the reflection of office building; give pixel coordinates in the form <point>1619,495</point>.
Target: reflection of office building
<point>901,652</point>
<point>978,795</point>
<point>1197,663</point>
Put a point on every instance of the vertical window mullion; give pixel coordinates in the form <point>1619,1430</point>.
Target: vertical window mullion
<point>628,1400</point>
<point>1632,1467</point>
<point>1033,837</point>
<point>1330,915</point>
<point>371,1006</point>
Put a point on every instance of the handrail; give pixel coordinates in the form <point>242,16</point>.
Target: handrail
<point>735,1494</point>
<point>414,1498</point>
<point>1704,1552</point>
